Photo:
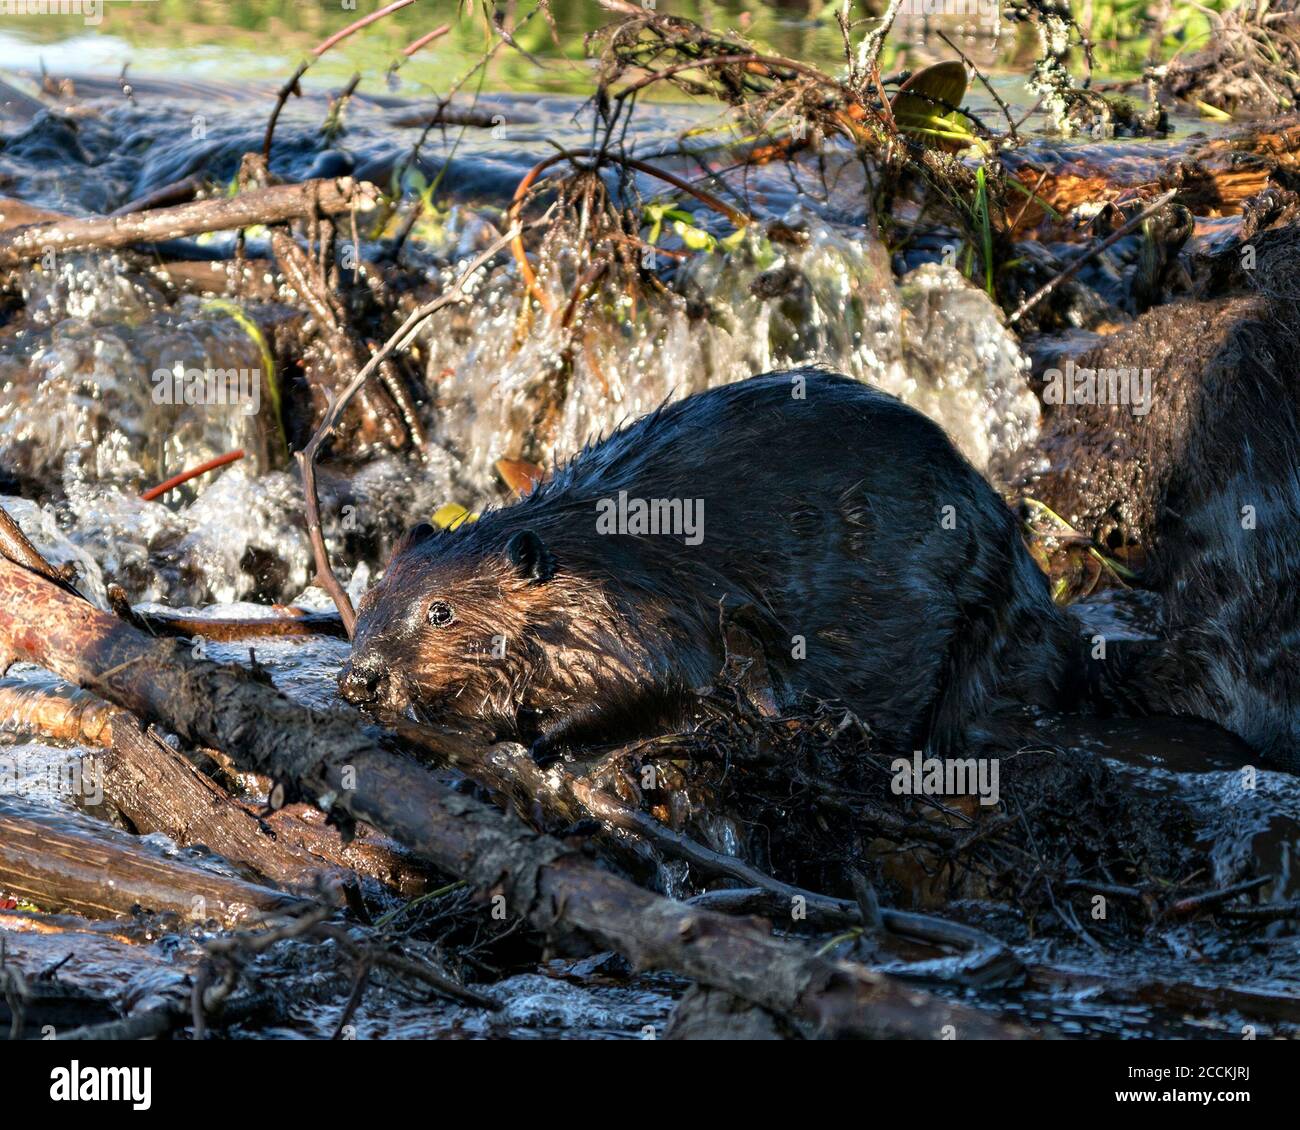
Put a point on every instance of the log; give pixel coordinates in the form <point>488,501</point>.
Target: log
<point>56,862</point>
<point>158,790</point>
<point>252,280</point>
<point>272,205</point>
<point>18,213</point>
<point>557,889</point>
<point>129,933</point>
<point>286,622</point>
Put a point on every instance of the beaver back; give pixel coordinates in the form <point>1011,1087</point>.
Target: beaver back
<point>880,568</point>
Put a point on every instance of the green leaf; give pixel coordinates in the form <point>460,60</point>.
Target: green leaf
<point>922,103</point>
<point>694,238</point>
<point>986,228</point>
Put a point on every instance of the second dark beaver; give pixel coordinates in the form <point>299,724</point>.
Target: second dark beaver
<point>1204,489</point>
<point>882,571</point>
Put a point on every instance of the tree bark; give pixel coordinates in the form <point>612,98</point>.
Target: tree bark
<point>60,863</point>
<point>158,790</point>
<point>272,205</point>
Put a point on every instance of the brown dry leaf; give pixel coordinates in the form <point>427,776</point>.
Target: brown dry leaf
<point>520,475</point>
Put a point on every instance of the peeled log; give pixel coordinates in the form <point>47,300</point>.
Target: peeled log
<point>59,863</point>
<point>272,205</point>
<point>158,790</point>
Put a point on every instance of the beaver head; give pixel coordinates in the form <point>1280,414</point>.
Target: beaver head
<point>450,627</point>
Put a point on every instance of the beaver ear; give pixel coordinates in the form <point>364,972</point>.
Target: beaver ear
<point>530,556</point>
<point>414,536</point>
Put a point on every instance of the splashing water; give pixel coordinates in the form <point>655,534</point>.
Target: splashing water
<point>142,391</point>
<point>935,341</point>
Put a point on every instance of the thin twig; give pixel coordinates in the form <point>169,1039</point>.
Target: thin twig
<point>191,473</point>
<point>769,61</point>
<point>15,545</point>
<point>365,21</point>
<point>1052,283</point>
<point>869,53</point>
<point>424,40</point>
<point>1006,110</point>
<point>282,96</point>
<point>400,339</point>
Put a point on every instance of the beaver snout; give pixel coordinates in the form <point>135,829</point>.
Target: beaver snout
<point>363,684</point>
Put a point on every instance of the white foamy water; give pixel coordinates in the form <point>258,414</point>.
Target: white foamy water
<point>933,340</point>
<point>100,340</point>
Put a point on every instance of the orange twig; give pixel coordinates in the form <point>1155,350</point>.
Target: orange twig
<point>425,40</point>
<point>365,21</point>
<point>192,473</point>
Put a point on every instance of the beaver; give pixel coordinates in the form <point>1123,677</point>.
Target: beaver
<point>877,567</point>
<point>1202,490</point>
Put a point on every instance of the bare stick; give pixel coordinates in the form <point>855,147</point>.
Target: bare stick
<point>1015,137</point>
<point>365,21</point>
<point>869,52</point>
<point>178,192</point>
<point>14,544</point>
<point>290,87</point>
<point>271,205</point>
<point>767,63</point>
<point>192,473</point>
<point>1052,283</point>
<point>424,40</point>
<point>402,338</point>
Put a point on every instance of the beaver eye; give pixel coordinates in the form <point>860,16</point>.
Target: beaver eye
<point>440,614</point>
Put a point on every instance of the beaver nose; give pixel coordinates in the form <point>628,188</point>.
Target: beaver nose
<point>360,684</point>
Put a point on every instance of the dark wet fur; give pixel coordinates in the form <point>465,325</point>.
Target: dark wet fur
<point>1232,592</point>
<point>1223,434</point>
<point>823,518</point>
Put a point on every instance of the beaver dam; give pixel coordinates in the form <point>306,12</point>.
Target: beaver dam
<point>964,704</point>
